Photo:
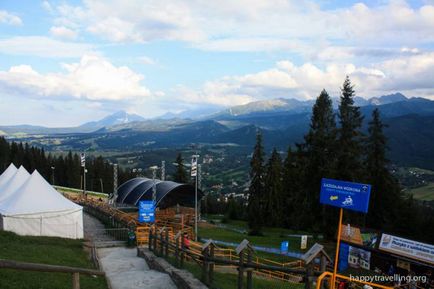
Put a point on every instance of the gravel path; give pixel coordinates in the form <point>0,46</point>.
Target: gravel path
<point>124,270</point>
<point>127,271</point>
<point>94,229</point>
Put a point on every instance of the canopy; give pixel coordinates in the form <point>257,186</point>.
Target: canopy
<point>19,178</point>
<point>36,208</point>
<point>7,174</point>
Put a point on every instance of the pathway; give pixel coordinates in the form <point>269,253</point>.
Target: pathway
<point>124,270</point>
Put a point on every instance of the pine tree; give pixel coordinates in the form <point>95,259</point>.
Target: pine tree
<point>349,164</point>
<point>274,190</point>
<point>320,152</point>
<point>180,175</point>
<point>292,193</point>
<point>255,206</point>
<point>385,189</point>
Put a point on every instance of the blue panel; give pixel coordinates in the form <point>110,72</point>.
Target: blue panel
<point>284,246</point>
<point>344,251</point>
<point>346,195</point>
<point>146,212</point>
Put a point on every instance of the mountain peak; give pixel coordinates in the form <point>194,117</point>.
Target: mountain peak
<point>119,117</point>
<point>389,98</point>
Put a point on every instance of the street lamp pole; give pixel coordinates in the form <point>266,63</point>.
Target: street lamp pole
<point>52,175</point>
<point>154,187</point>
<point>194,173</point>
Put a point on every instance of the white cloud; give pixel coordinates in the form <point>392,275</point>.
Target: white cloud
<point>93,78</point>
<point>10,19</point>
<point>147,60</point>
<point>246,25</point>
<point>63,32</point>
<point>43,47</point>
<point>410,74</point>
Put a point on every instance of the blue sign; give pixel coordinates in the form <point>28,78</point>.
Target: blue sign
<point>284,246</point>
<point>346,195</point>
<point>343,257</point>
<point>146,212</point>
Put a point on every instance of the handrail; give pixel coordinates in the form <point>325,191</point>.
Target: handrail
<point>10,264</point>
<point>325,274</point>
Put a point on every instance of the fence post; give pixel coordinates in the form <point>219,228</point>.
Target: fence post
<point>241,270</point>
<point>155,240</point>
<point>249,270</point>
<point>177,236</point>
<point>182,251</point>
<point>205,263</point>
<point>150,239</point>
<point>167,243</point>
<point>211,264</point>
<point>75,280</point>
<point>309,273</point>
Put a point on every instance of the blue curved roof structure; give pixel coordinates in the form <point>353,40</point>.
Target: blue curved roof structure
<point>168,193</point>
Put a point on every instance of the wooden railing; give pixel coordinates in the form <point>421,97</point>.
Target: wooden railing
<point>163,243</point>
<point>75,271</point>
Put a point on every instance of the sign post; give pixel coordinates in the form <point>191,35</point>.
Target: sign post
<point>146,212</point>
<point>344,195</point>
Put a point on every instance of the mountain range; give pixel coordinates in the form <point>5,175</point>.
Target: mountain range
<point>283,122</point>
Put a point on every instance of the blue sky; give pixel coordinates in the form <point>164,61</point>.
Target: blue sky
<point>63,63</point>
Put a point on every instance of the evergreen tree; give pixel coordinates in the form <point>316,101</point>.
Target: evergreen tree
<point>180,175</point>
<point>385,191</point>
<point>320,153</point>
<point>274,190</point>
<point>293,197</point>
<point>255,206</point>
<point>349,137</point>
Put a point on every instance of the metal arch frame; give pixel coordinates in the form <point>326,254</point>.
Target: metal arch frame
<point>169,191</point>
<point>151,182</point>
<point>140,181</point>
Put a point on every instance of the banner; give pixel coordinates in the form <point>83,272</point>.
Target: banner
<point>83,159</point>
<point>359,258</point>
<point>303,244</point>
<point>408,248</point>
<point>194,166</point>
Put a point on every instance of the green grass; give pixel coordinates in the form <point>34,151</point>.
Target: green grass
<point>46,250</point>
<point>425,193</point>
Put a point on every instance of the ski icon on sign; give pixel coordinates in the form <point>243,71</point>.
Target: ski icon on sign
<point>348,201</point>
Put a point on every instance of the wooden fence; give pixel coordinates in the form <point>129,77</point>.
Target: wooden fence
<point>75,271</point>
<point>210,257</point>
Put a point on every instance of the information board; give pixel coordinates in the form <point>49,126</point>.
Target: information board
<point>346,195</point>
<point>146,212</point>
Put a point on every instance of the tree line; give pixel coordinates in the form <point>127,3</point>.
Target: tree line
<point>63,169</point>
<point>285,192</point>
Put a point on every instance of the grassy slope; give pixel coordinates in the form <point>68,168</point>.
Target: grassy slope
<point>47,250</point>
<point>272,238</point>
<point>425,193</point>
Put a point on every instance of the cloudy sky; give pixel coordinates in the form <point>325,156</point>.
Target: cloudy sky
<point>66,62</point>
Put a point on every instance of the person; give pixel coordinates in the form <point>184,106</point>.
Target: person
<point>186,241</point>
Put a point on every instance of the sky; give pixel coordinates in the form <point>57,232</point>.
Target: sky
<point>63,63</point>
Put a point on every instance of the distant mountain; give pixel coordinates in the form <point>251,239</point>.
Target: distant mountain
<point>386,99</point>
<point>120,117</point>
<point>266,106</point>
<point>195,114</point>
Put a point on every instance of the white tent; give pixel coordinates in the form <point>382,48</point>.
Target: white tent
<point>7,174</point>
<point>19,178</point>
<point>36,208</point>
